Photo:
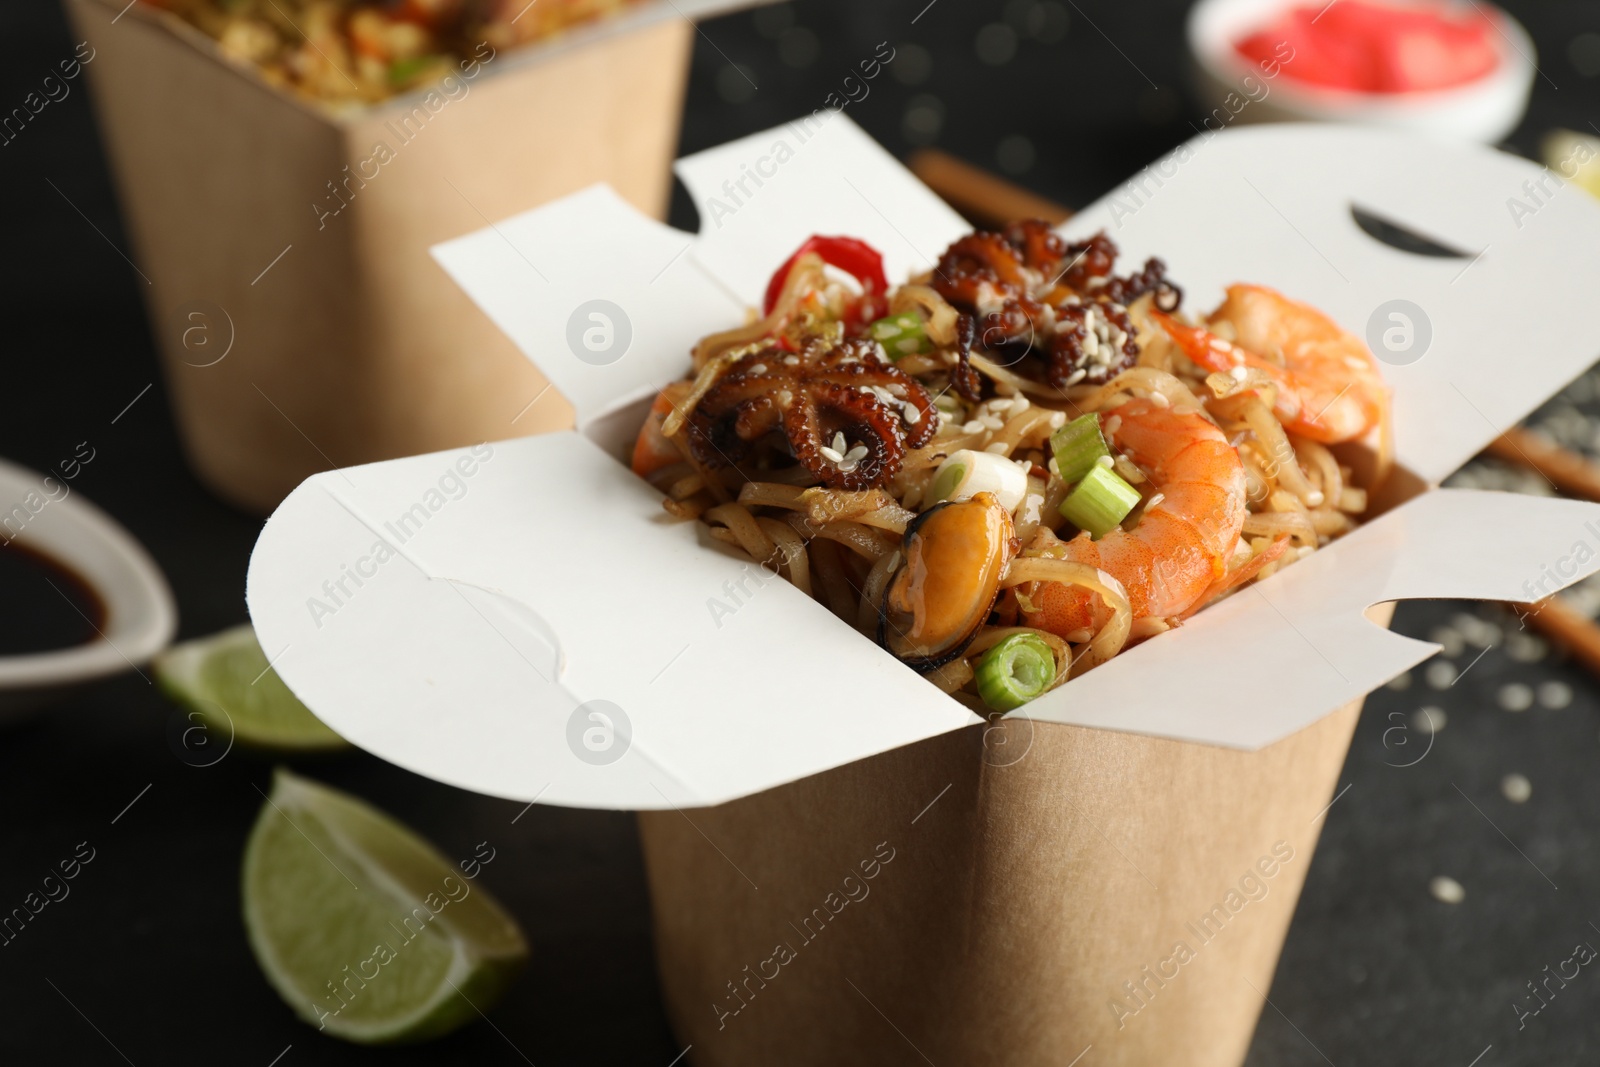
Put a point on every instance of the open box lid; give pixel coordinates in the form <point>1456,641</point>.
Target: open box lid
<point>523,619</point>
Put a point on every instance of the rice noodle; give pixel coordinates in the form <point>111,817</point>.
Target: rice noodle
<point>872,592</point>
<point>792,549</point>
<point>743,526</point>
<point>805,277</point>
<point>1114,634</point>
<point>844,548</point>
<point>939,318</point>
<point>1151,381</point>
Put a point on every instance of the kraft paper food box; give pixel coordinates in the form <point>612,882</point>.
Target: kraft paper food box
<point>300,321</point>
<point>848,866</point>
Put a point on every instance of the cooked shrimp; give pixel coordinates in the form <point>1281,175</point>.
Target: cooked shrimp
<point>653,450</point>
<point>1186,535</point>
<point>1329,388</point>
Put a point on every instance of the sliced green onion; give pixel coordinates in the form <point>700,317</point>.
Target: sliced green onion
<point>402,71</point>
<point>1015,671</point>
<point>901,335</point>
<point>949,476</point>
<point>1078,446</point>
<point>966,473</point>
<point>1100,501</point>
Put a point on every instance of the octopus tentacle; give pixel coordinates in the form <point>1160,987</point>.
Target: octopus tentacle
<point>853,410</point>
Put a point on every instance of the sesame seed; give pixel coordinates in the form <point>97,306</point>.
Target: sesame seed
<point>759,368</point>
<point>912,414</point>
<point>1113,424</point>
<point>1315,498</point>
<point>1516,788</point>
<point>1515,697</point>
<point>1449,640</point>
<point>1447,890</point>
<point>1239,373</point>
<point>1160,400</point>
<point>1158,498</point>
<point>1107,462</point>
<point>785,398</point>
<point>1441,674</point>
<point>999,448</point>
<point>1220,345</point>
<point>1077,376</point>
<point>791,361</point>
<point>1429,720</point>
<point>991,422</point>
<point>840,445</point>
<point>830,455</point>
<point>1525,648</point>
<point>972,427</point>
<point>1555,695</point>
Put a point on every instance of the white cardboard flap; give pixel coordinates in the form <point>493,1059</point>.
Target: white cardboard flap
<point>1504,329</point>
<point>469,615</point>
<point>598,356</point>
<point>439,612</point>
<point>1282,653</point>
<point>761,196</point>
<point>822,175</point>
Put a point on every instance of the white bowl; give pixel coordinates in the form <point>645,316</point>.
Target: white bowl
<point>1484,110</point>
<point>140,616</point>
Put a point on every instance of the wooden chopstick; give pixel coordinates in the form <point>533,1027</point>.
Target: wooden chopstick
<point>983,198</point>
<point>986,199</point>
<point>1567,471</point>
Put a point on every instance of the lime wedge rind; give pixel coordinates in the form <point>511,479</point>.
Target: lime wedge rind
<point>226,681</point>
<point>386,862</point>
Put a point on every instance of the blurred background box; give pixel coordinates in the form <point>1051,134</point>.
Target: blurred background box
<point>301,323</point>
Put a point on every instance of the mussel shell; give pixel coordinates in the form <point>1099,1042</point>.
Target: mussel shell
<point>932,661</point>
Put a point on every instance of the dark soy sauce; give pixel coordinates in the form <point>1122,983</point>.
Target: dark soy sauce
<point>34,617</point>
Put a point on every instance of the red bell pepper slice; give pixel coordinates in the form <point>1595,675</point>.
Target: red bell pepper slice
<point>855,257</point>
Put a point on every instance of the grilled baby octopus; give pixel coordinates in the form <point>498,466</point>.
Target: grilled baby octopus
<point>1030,289</point>
<point>847,414</point>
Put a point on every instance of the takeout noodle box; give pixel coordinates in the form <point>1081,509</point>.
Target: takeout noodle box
<point>846,865</point>
<point>353,346</point>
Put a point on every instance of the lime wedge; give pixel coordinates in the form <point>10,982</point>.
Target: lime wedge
<point>1574,156</point>
<point>226,682</point>
<point>365,930</point>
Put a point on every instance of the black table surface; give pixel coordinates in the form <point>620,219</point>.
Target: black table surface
<point>146,960</point>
